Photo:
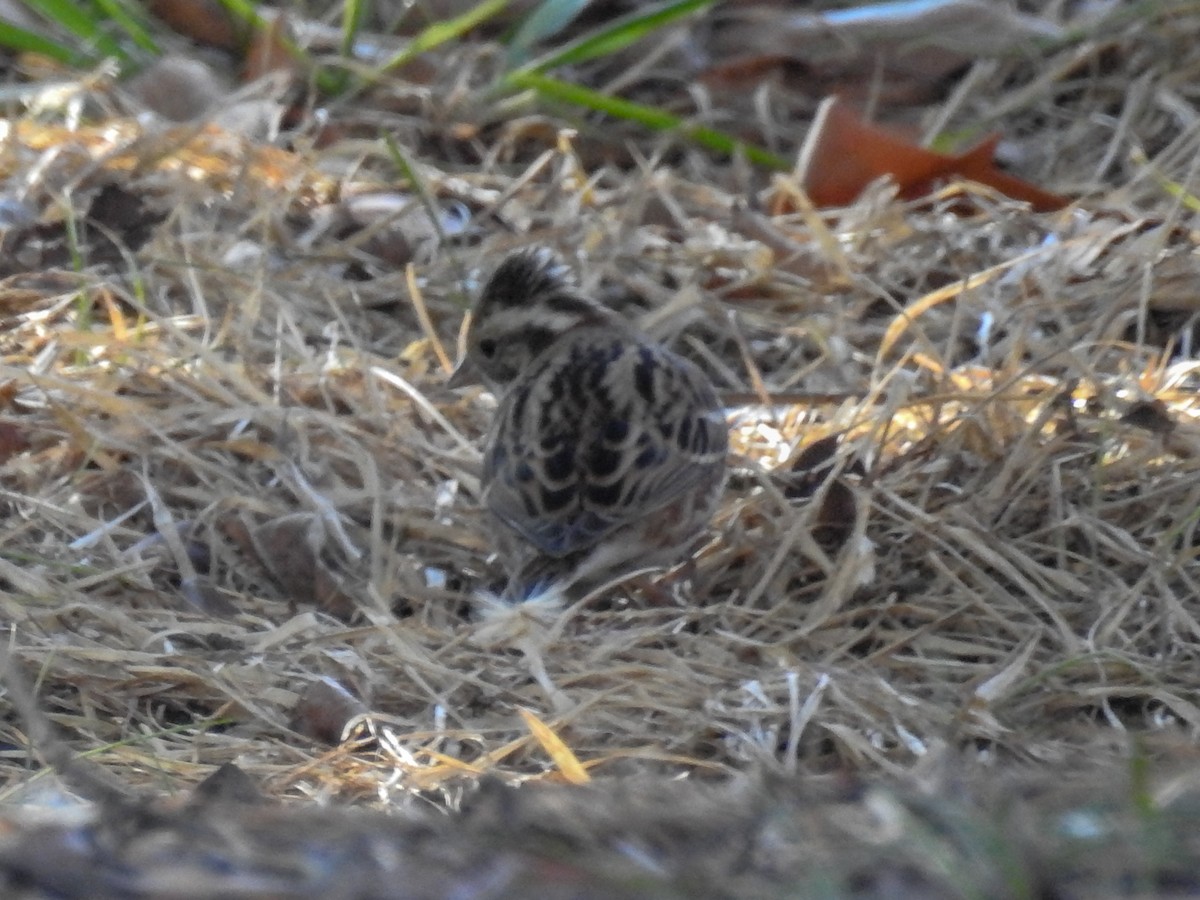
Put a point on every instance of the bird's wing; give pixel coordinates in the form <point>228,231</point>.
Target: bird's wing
<point>599,435</point>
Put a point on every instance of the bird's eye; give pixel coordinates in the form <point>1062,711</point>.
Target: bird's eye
<point>487,347</point>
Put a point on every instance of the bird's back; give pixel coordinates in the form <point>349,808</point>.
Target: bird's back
<point>603,431</point>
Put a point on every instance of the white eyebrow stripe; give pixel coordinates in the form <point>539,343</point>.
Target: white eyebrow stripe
<point>518,320</point>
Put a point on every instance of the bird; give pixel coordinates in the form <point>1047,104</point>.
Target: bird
<point>607,451</point>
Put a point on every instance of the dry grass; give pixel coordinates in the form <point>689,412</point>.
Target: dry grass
<point>231,470</point>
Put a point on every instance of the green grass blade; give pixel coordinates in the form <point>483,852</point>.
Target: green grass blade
<point>81,21</point>
<point>245,11</point>
<point>549,18</point>
<point>648,116</point>
<point>131,22</point>
<point>409,171</point>
<point>353,13</point>
<point>1175,189</point>
<point>16,38</point>
<point>616,35</point>
<point>440,32</point>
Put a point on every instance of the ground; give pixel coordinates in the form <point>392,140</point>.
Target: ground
<point>941,640</point>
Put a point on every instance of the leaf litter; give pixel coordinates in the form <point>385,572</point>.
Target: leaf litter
<point>944,620</point>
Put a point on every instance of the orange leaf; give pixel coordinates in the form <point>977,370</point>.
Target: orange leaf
<point>847,154</point>
<point>978,164</point>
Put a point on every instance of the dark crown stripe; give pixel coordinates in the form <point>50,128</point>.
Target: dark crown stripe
<point>528,273</point>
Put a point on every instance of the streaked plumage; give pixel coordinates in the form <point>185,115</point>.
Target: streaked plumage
<point>608,449</point>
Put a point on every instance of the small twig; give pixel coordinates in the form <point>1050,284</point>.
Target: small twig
<point>418,302</point>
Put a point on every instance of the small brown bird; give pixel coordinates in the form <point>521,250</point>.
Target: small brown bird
<point>607,451</point>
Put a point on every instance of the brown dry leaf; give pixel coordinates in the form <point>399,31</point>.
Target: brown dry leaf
<point>204,21</point>
<point>844,154</point>
<point>291,548</point>
<point>1150,415</point>
<point>228,784</point>
<point>324,710</point>
<point>905,50</point>
<point>809,472</point>
<point>202,595</point>
<point>269,50</point>
<point>1005,496</point>
<point>13,440</point>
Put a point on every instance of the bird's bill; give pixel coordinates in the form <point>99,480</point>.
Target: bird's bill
<point>464,375</point>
